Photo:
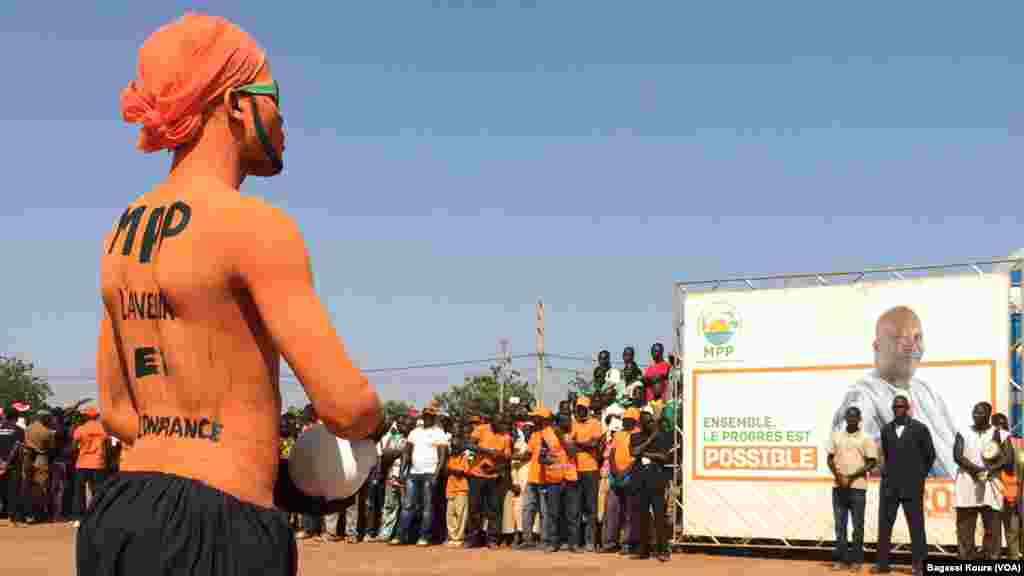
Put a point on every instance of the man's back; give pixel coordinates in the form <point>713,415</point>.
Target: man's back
<point>90,437</point>
<point>196,355</point>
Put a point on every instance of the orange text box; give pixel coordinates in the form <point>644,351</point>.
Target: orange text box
<point>760,458</point>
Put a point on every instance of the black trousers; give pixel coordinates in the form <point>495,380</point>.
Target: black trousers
<point>588,484</point>
<point>913,510</point>
<point>16,505</point>
<point>647,495</point>
<point>483,505</point>
<point>86,477</point>
<point>570,513</point>
<point>151,523</point>
<point>376,505</point>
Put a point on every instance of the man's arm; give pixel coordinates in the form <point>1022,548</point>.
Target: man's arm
<point>442,461</point>
<point>830,449</point>
<point>869,463</point>
<point>883,454</point>
<point>117,405</point>
<point>927,449</point>
<point>274,265</point>
<point>958,457</point>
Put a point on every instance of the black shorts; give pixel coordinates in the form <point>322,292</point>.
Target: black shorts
<point>154,523</point>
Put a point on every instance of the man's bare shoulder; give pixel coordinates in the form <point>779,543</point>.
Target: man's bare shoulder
<point>257,216</point>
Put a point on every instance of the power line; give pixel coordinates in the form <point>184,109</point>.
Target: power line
<point>406,368</point>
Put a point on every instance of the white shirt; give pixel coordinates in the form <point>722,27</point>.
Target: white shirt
<point>970,493</point>
<point>850,452</point>
<point>425,442</point>
<point>616,412</point>
<point>874,397</point>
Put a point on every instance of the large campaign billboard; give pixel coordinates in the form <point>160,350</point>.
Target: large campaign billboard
<point>769,373</point>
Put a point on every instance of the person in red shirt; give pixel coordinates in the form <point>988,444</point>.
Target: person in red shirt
<point>656,376</point>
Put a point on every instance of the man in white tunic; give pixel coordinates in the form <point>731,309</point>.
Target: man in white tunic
<point>899,347</point>
<point>976,491</point>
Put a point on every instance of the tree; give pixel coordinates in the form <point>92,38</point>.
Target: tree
<point>393,409</point>
<point>18,384</point>
<point>481,393</point>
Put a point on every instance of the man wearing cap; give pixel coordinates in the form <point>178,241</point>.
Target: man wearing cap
<point>544,479</point>
<point>89,439</point>
<point>587,434</point>
<point>427,450</point>
<point>492,448</point>
<point>618,509</point>
<point>392,449</point>
<point>36,487</point>
<point>569,509</point>
<point>512,516</point>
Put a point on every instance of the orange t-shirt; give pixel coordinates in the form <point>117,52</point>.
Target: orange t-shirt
<point>551,474</point>
<point>457,484</point>
<point>485,466</point>
<point>569,473</point>
<point>90,437</point>
<point>588,431</point>
<point>623,458</point>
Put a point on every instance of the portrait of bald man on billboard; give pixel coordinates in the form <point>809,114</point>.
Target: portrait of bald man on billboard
<point>899,347</point>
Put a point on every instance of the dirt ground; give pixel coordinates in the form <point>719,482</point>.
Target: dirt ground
<point>48,550</point>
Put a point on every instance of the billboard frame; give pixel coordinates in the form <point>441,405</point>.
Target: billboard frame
<point>680,290</point>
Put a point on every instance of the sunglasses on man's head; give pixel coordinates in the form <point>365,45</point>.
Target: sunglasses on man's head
<point>264,89</point>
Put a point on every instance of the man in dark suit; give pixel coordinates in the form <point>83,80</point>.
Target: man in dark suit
<point>908,455</point>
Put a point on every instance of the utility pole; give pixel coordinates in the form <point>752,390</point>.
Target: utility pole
<point>502,365</point>
<point>538,391</point>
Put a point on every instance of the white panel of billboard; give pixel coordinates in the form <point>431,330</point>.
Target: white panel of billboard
<point>767,374</point>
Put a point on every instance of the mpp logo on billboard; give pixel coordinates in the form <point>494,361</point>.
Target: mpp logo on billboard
<point>720,325</point>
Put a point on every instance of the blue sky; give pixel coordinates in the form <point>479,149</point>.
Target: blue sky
<point>451,162</point>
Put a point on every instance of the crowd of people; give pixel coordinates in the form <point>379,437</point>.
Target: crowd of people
<point>591,477</point>
<point>51,462</point>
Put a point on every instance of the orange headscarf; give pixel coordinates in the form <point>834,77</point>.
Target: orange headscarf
<point>183,67</point>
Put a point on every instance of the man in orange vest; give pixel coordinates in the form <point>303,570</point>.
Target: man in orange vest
<point>491,449</point>
<point>1010,476</point>
<point>544,484</point>
<point>587,434</point>
<point>618,509</point>
<point>570,509</point>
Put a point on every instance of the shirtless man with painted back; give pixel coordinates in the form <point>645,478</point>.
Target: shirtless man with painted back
<point>204,290</point>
